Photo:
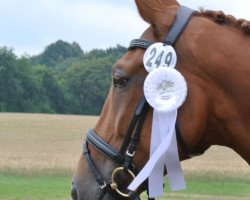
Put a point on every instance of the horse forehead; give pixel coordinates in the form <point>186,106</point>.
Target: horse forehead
<point>131,62</point>
<point>149,34</point>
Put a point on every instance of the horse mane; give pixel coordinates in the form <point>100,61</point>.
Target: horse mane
<point>220,18</point>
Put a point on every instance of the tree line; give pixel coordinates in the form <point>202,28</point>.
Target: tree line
<point>62,79</point>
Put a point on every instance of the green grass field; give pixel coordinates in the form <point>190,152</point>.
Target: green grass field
<point>38,154</point>
<point>57,187</point>
<point>34,187</point>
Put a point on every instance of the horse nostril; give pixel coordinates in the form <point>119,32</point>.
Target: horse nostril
<point>73,192</point>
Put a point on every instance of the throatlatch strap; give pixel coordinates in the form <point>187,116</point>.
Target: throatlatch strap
<point>181,141</point>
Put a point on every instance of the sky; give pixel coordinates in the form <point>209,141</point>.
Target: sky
<point>28,26</point>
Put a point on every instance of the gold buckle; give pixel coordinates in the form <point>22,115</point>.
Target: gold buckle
<point>114,185</point>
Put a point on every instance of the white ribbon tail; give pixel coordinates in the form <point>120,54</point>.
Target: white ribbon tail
<point>144,173</point>
<point>156,176</point>
<point>172,161</point>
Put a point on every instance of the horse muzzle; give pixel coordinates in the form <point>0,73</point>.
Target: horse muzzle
<point>73,192</point>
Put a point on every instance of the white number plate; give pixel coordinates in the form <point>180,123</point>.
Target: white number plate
<point>159,55</point>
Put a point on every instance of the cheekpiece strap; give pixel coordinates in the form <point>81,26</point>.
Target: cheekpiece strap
<point>181,20</point>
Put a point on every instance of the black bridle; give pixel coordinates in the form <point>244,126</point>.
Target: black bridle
<point>124,157</point>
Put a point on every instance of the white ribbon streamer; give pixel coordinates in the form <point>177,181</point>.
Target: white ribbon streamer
<point>165,90</point>
<point>157,173</point>
<point>170,158</point>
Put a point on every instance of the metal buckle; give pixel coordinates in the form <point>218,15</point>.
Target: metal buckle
<point>114,185</point>
<point>102,186</point>
<point>130,154</point>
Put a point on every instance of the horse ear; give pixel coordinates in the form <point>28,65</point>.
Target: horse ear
<point>152,11</point>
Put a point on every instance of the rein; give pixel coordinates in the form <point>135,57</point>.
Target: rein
<point>124,157</point>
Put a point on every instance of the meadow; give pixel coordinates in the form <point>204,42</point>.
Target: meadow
<point>39,152</point>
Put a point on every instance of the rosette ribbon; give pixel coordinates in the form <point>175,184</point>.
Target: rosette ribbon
<point>165,89</point>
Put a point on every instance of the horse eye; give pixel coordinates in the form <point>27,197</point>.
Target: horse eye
<point>119,81</point>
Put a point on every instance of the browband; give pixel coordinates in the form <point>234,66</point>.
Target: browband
<point>139,43</point>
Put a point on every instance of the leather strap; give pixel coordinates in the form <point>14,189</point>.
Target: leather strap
<point>94,169</point>
<point>104,148</point>
<point>183,16</point>
<point>141,111</point>
<point>139,43</point>
<point>132,125</point>
<point>181,141</point>
<point>133,195</point>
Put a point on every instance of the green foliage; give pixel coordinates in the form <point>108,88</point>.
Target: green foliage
<point>57,52</point>
<point>10,85</point>
<point>88,83</point>
<point>62,79</point>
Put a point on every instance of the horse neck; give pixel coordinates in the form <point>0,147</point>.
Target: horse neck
<point>214,55</point>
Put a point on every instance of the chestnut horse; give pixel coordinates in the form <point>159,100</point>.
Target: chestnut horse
<point>214,57</point>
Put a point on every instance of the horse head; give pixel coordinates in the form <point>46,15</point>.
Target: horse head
<point>216,110</point>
